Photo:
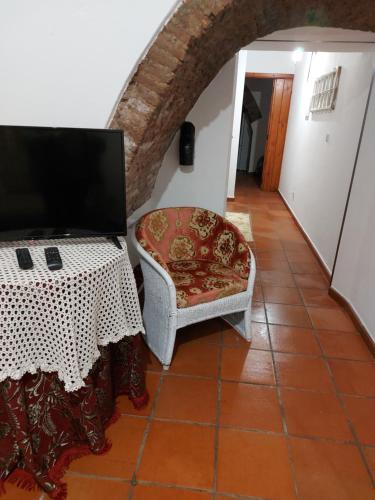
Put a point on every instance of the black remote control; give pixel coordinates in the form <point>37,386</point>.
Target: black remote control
<point>53,258</point>
<point>24,258</point>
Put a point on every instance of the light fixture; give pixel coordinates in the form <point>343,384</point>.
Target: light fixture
<point>297,54</point>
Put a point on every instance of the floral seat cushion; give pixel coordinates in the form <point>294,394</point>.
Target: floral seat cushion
<point>199,281</point>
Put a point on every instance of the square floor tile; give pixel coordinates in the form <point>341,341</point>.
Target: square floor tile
<point>142,492</point>
<point>272,264</point>
<point>83,488</point>
<point>281,295</point>
<point>250,407</point>
<point>258,312</point>
<point>331,319</point>
<point>301,255</point>
<point>126,406</point>
<point>311,281</point>
<point>187,398</point>
<point>303,372</point>
<point>297,246</point>
<point>196,358</point>
<point>354,377</point>
<point>247,365</point>
<point>151,362</point>
<point>314,297</point>
<point>263,243</point>
<point>310,267</point>
<point>330,471</point>
<point>315,414</point>
<point>179,454</point>
<point>259,340</point>
<point>277,278</point>
<point>361,412</point>
<point>277,254</point>
<point>258,294</point>
<point>254,464</point>
<point>288,315</point>
<point>126,436</point>
<point>344,345</point>
<point>293,339</point>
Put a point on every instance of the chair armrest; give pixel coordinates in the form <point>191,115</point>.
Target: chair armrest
<point>159,267</point>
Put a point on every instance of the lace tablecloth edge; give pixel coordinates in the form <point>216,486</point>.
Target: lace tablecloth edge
<point>33,368</point>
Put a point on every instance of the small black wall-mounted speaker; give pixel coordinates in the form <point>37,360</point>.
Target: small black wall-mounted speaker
<point>187,144</point>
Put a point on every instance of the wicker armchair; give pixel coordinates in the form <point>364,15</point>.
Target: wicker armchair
<point>196,266</point>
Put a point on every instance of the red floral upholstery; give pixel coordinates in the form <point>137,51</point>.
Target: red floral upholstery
<point>206,256</point>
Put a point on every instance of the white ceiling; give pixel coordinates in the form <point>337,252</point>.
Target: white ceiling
<point>317,39</point>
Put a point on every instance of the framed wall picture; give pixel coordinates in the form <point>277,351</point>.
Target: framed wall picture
<point>325,91</point>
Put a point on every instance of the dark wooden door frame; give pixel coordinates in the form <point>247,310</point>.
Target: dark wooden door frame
<point>277,124</point>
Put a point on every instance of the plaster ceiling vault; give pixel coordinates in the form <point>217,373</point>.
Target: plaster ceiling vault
<point>187,54</point>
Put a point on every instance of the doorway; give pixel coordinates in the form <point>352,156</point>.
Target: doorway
<point>263,154</point>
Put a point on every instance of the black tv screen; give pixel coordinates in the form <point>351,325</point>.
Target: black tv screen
<point>61,182</point>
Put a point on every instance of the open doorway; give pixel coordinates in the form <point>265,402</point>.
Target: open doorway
<point>264,122</point>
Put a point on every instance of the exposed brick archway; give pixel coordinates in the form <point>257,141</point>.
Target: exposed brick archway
<point>188,53</point>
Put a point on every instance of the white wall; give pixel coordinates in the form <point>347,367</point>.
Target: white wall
<point>354,276</point>
<point>261,61</point>
<point>64,63</point>
<point>319,153</point>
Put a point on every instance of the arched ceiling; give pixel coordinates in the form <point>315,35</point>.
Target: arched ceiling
<point>187,54</point>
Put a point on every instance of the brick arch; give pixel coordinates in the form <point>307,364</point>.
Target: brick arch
<point>187,54</point>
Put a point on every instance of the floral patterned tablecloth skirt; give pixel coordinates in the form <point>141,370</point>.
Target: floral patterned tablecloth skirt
<point>43,427</point>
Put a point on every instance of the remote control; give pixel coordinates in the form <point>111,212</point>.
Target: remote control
<point>24,258</point>
<point>53,258</point>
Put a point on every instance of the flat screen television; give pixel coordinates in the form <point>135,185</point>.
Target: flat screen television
<point>61,182</point>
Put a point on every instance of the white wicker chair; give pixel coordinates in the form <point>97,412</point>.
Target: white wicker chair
<point>162,316</point>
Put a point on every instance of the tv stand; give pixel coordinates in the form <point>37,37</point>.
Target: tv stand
<point>115,241</point>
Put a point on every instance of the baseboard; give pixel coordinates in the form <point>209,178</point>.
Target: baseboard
<point>322,264</point>
<point>229,198</point>
<point>354,317</point>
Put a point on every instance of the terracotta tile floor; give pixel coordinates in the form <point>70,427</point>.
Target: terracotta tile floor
<point>291,416</point>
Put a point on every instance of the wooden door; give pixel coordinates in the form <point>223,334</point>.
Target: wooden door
<point>277,125</point>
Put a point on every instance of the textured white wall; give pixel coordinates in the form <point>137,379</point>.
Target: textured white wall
<point>319,153</point>
<point>64,63</point>
<point>354,276</point>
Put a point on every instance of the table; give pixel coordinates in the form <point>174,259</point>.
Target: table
<point>69,345</point>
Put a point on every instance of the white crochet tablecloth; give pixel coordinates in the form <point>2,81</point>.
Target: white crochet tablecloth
<point>55,320</point>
